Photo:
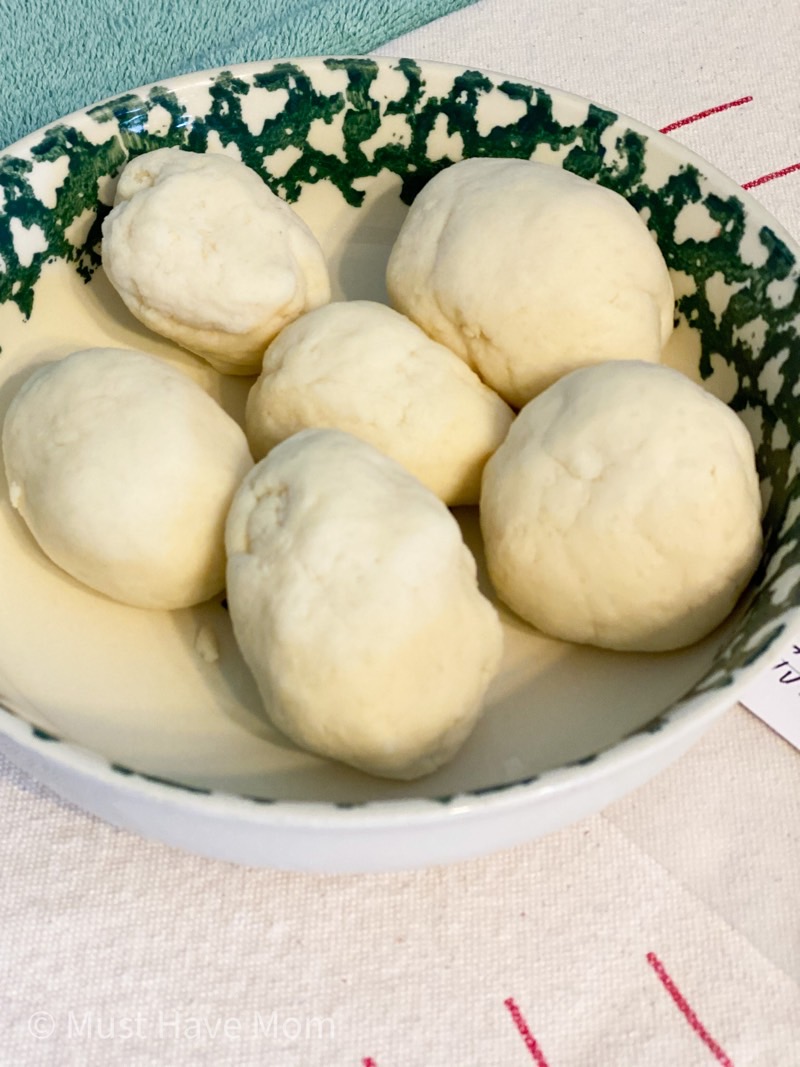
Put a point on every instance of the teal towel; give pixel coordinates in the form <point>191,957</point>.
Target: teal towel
<point>60,55</point>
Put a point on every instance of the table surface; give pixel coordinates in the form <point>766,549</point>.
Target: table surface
<point>664,929</point>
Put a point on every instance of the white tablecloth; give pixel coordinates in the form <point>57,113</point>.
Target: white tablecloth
<point>663,931</point>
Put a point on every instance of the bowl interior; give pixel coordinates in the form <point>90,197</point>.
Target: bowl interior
<point>349,142</point>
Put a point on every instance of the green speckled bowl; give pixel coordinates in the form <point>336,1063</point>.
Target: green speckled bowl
<point>121,711</point>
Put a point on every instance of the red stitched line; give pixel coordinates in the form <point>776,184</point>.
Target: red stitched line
<point>368,1062</point>
<point>530,1041</point>
<point>771,176</point>
<point>724,107</point>
<point>704,114</point>
<point>686,1010</point>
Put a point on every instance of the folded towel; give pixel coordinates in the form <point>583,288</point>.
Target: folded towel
<point>60,55</point>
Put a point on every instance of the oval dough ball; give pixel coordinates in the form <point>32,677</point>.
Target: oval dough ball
<point>355,603</point>
<point>124,469</point>
<point>366,369</point>
<point>527,272</point>
<point>623,509</point>
<point>203,252</point>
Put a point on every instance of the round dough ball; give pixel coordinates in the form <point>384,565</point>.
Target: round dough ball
<point>203,252</point>
<point>363,368</point>
<point>623,509</point>
<point>527,272</point>
<point>124,469</point>
<point>355,603</point>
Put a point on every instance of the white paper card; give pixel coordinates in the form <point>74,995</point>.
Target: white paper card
<point>774,696</point>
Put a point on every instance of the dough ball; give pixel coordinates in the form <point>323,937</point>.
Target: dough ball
<point>204,253</point>
<point>364,368</point>
<point>527,272</point>
<point>623,509</point>
<point>355,603</point>
<point>124,469</point>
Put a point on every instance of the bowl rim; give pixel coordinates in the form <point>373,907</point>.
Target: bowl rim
<point>686,717</point>
<point>198,78</point>
<point>675,724</point>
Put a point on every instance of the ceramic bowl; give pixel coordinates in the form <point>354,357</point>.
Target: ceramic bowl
<point>124,711</point>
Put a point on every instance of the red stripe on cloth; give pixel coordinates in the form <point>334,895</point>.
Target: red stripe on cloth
<point>524,1032</point>
<point>687,1012</point>
<point>771,176</point>
<point>704,114</point>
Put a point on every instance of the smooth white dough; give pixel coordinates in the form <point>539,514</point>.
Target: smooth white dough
<point>355,604</point>
<point>203,252</point>
<point>623,509</point>
<point>124,469</point>
<point>527,272</point>
<point>359,366</point>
